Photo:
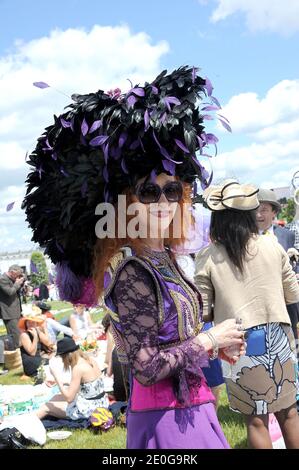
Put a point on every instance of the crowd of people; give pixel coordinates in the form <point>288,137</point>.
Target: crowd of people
<point>242,284</point>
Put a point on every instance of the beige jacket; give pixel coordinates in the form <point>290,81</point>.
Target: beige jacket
<point>259,295</point>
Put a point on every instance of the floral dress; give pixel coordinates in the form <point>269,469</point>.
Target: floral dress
<point>90,396</point>
<point>265,380</point>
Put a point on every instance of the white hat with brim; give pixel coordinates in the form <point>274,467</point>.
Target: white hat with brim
<point>231,195</point>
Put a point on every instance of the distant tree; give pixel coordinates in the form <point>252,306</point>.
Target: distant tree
<point>283,200</point>
<point>288,212</point>
<point>38,269</point>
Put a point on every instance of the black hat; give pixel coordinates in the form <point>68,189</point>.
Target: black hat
<point>66,345</point>
<point>100,146</point>
<point>43,305</point>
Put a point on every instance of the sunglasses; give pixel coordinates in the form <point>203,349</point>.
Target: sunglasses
<point>149,193</point>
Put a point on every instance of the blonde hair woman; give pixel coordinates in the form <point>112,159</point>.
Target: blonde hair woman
<point>86,390</point>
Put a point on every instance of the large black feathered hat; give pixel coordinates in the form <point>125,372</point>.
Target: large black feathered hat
<point>101,145</point>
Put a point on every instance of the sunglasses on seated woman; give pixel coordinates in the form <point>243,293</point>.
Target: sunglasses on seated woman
<point>149,192</point>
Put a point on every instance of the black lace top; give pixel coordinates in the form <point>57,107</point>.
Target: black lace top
<point>135,296</point>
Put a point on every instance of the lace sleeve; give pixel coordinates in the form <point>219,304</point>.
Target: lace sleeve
<point>134,295</point>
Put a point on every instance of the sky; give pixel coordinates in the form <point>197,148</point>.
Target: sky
<point>247,48</point>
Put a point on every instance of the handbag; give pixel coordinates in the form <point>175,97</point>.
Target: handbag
<point>101,419</point>
<point>11,438</point>
<point>256,342</point>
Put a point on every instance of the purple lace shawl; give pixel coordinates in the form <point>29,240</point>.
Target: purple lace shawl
<point>156,314</point>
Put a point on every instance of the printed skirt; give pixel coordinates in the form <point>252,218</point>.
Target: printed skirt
<point>265,380</point>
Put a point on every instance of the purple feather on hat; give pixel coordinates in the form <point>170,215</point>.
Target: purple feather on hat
<point>41,85</point>
<point>215,101</point>
<point>95,125</point>
<point>84,127</point>
<point>225,125</point>
<point>168,100</point>
<point>208,86</point>
<point>88,293</point>
<point>9,206</point>
<point>65,123</point>
<point>131,100</point>
<point>153,176</point>
<point>181,145</point>
<point>122,139</point>
<point>99,140</point>
<point>137,91</point>
<point>69,285</point>
<point>163,150</point>
<point>169,166</point>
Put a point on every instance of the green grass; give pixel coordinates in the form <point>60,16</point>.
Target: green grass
<point>115,438</point>
<point>14,378</point>
<point>232,425</point>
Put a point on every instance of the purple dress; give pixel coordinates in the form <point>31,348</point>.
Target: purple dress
<point>156,314</point>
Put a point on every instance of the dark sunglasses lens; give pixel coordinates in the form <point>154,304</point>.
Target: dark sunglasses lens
<point>149,193</point>
<point>173,192</point>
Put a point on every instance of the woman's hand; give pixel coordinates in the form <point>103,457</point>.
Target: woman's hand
<point>228,333</point>
<point>232,354</point>
<point>34,332</point>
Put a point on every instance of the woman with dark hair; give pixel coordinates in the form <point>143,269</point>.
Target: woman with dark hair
<point>136,151</point>
<point>36,345</point>
<point>247,276</point>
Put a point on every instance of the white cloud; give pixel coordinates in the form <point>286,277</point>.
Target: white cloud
<point>250,114</point>
<point>257,163</point>
<point>71,61</point>
<point>262,15</point>
<point>14,234</point>
<point>286,131</point>
<point>272,124</point>
<point>12,155</point>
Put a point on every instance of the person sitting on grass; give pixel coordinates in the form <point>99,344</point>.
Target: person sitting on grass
<point>53,326</point>
<point>35,344</point>
<point>86,390</point>
<point>81,322</point>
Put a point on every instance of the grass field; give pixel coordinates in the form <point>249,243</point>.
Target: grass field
<point>232,425</point>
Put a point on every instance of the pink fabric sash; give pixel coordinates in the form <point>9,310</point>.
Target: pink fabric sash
<point>161,395</point>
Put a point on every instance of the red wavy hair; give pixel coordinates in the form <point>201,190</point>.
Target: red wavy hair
<point>106,248</point>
